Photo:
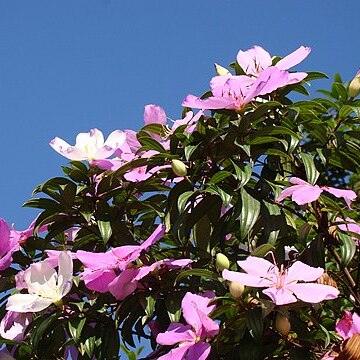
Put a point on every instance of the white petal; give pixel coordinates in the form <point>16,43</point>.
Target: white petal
<point>27,303</point>
<point>65,273</point>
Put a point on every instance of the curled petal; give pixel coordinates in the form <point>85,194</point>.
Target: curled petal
<point>294,58</point>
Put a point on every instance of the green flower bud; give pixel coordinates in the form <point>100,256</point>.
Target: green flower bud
<point>236,289</point>
<point>354,87</point>
<point>178,167</point>
<point>282,324</point>
<point>222,262</point>
<point>220,70</point>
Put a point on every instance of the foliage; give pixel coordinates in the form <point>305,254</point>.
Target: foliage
<point>237,162</point>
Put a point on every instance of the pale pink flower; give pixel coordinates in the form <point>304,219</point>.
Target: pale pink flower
<point>90,146</point>
<point>234,92</point>
<point>256,60</point>
<point>191,337</point>
<point>283,286</point>
<point>348,325</point>
<point>13,325</point>
<point>304,193</point>
<point>45,286</point>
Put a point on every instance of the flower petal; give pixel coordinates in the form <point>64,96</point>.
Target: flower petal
<point>348,195</point>
<point>176,333</point>
<point>302,272</point>
<point>294,58</point>
<point>246,279</point>
<point>23,303</point>
<point>280,296</point>
<point>65,273</point>
<point>313,293</point>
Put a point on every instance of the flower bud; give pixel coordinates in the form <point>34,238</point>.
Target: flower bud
<point>236,289</point>
<point>354,87</point>
<point>282,324</point>
<point>220,70</point>
<point>178,167</point>
<point>222,262</point>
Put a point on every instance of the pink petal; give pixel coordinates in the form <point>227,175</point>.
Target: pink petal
<point>209,103</point>
<point>13,325</point>
<point>256,266</point>
<point>154,114</point>
<point>179,353</point>
<point>246,279</point>
<point>348,195</point>
<point>313,293</point>
<point>124,284</point>
<point>294,58</point>
<point>302,272</point>
<point>158,233</point>
<point>199,351</point>
<point>296,77</point>
<point>344,327</point>
<point>98,280</point>
<point>97,261</point>
<point>254,60</point>
<point>280,296</point>
<point>176,333</point>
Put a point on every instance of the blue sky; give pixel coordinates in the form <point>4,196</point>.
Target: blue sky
<point>69,66</point>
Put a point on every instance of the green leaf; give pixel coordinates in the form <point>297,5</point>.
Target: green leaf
<point>75,328</point>
<point>347,248</point>
<point>339,91</point>
<point>311,172</point>
<point>255,324</point>
<point>183,200</point>
<point>219,176</point>
<point>105,230</point>
<point>243,173</point>
<point>207,274</point>
<point>250,210</point>
<point>345,111</point>
<point>262,250</point>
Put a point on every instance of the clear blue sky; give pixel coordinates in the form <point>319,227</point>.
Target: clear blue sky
<point>68,66</point>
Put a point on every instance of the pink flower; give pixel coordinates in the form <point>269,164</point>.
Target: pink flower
<point>234,92</point>
<point>256,60</point>
<point>304,193</point>
<point>282,285</point>
<point>8,245</point>
<point>348,325</point>
<point>13,325</point>
<point>351,226</point>
<point>22,235</point>
<point>129,279</point>
<point>100,268</point>
<point>90,146</point>
<point>191,337</point>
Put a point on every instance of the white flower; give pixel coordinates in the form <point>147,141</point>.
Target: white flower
<point>44,284</point>
<point>90,146</point>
